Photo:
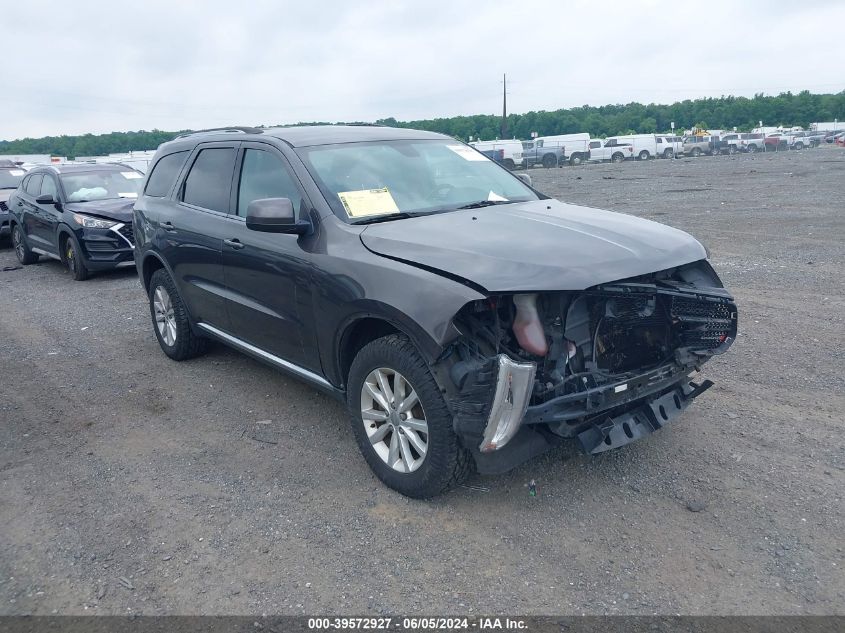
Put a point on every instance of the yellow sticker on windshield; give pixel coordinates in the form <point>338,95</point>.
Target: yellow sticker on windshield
<point>368,202</point>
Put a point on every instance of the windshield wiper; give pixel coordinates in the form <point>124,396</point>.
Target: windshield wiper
<point>485,203</point>
<point>385,218</point>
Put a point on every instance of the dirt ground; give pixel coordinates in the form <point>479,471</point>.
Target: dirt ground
<point>133,484</point>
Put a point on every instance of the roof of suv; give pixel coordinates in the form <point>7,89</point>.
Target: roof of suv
<point>66,168</point>
<point>308,135</point>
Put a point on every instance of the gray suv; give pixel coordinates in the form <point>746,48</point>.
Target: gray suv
<point>465,319</point>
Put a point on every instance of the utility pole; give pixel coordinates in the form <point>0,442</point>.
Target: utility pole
<point>504,131</point>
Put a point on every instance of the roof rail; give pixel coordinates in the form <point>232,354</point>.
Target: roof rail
<point>242,130</point>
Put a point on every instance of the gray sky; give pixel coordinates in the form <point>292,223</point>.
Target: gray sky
<point>101,66</point>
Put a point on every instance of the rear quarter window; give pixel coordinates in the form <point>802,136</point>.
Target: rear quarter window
<point>164,174</point>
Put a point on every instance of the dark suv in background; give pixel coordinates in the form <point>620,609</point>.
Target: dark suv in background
<point>10,177</point>
<point>80,215</point>
<point>463,316</point>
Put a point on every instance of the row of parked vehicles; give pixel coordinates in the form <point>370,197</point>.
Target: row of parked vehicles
<point>575,149</point>
<point>465,318</point>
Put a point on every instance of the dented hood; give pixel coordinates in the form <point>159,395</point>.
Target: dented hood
<point>534,246</point>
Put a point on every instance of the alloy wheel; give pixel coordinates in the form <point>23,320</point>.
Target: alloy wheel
<point>17,241</point>
<point>164,316</point>
<point>394,420</point>
<point>70,257</point>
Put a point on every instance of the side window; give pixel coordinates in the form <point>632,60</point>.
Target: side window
<point>595,144</point>
<point>48,187</point>
<point>164,174</point>
<point>264,175</point>
<point>209,182</point>
<point>33,187</point>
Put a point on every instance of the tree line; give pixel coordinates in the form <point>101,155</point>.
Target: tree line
<point>715,113</point>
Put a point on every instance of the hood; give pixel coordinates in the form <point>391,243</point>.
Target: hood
<point>119,209</point>
<point>534,246</point>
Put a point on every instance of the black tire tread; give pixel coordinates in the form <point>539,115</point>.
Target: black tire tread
<point>188,345</point>
<point>29,257</point>
<point>447,463</point>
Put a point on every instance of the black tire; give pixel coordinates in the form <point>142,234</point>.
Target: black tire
<point>508,162</point>
<point>731,150</point>
<point>799,145</point>
<point>752,149</point>
<point>186,344</point>
<point>667,153</point>
<point>576,159</point>
<point>446,462</point>
<point>644,155</point>
<point>618,157</point>
<point>72,258</point>
<point>696,152</point>
<point>549,161</point>
<point>25,256</point>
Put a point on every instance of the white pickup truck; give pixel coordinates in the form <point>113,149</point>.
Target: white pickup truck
<point>612,149</point>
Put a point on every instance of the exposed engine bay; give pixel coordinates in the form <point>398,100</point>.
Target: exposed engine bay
<point>598,349</point>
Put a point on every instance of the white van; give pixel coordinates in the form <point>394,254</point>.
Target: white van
<point>576,147</point>
<point>511,151</point>
<point>644,145</point>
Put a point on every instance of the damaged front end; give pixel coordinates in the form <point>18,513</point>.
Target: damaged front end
<point>606,365</point>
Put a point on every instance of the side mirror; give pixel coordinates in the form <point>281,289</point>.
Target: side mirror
<point>45,199</point>
<point>524,178</point>
<point>275,215</point>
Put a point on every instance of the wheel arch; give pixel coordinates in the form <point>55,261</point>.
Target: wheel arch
<point>363,328</point>
<point>151,263</point>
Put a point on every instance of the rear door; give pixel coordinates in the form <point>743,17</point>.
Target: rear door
<point>30,213</point>
<point>267,275</point>
<point>194,228</point>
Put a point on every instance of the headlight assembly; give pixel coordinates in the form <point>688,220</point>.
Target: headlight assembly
<point>89,222</point>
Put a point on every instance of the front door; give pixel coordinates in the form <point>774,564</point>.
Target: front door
<point>267,275</point>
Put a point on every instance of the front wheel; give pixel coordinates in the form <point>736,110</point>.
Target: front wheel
<point>575,159</point>
<point>696,151</point>
<point>72,257</point>
<point>667,153</point>
<point>170,319</point>
<point>799,145</point>
<point>401,421</point>
<point>24,255</point>
<point>508,162</point>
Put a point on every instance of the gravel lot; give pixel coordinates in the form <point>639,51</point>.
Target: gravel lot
<point>133,484</point>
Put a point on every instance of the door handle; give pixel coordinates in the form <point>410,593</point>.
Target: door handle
<point>234,243</point>
<point>168,226</point>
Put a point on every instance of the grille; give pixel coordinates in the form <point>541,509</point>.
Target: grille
<point>3,207</point>
<point>128,232</point>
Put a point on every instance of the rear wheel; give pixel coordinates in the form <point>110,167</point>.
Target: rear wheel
<point>618,157</point>
<point>508,162</point>
<point>170,319</point>
<point>576,159</point>
<point>696,151</point>
<point>644,155</point>
<point>72,258</point>
<point>667,153</point>
<point>401,421</point>
<point>549,161</point>
<point>799,145</point>
<point>752,149</point>
<point>24,255</point>
<point>731,150</point>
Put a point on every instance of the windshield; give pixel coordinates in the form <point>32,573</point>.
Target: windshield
<point>101,185</point>
<point>11,178</point>
<point>401,178</point>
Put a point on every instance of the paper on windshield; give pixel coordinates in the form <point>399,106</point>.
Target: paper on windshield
<point>493,196</point>
<point>467,153</point>
<point>368,202</point>
<point>17,172</point>
<point>127,195</point>
<point>130,175</point>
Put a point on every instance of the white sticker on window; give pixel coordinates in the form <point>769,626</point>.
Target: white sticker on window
<point>467,153</point>
<point>131,175</point>
<point>368,202</point>
<point>17,172</point>
<point>128,195</point>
